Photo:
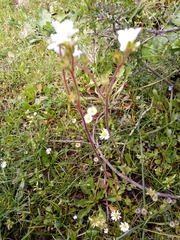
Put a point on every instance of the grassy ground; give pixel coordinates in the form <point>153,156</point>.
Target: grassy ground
<point>52,175</point>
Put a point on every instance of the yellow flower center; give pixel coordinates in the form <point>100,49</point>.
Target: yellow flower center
<point>116,215</point>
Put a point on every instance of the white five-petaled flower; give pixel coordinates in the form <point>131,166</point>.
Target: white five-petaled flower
<point>115,215</point>
<point>3,164</point>
<point>92,111</point>
<point>88,118</point>
<point>104,134</point>
<point>128,35</point>
<point>64,32</point>
<point>48,150</point>
<point>124,226</point>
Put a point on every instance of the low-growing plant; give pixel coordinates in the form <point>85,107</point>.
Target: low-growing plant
<point>90,134</point>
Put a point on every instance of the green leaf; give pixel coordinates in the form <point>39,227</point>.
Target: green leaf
<point>84,212</point>
<point>128,158</point>
<point>100,195</point>
<point>154,48</point>
<point>71,234</point>
<point>112,198</point>
<point>176,104</point>
<point>176,21</point>
<point>88,186</point>
<point>41,99</point>
<point>91,233</point>
<point>82,202</point>
<point>43,18</point>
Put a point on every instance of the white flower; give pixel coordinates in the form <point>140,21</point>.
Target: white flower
<point>48,150</point>
<point>172,224</point>
<point>124,226</point>
<point>128,35</point>
<point>104,134</point>
<point>96,160</point>
<point>64,32</point>
<point>88,118</point>
<point>106,230</point>
<point>144,211</point>
<point>75,217</point>
<point>3,164</point>
<point>77,144</point>
<point>92,111</point>
<point>137,211</point>
<point>115,215</point>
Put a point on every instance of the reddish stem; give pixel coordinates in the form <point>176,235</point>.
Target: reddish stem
<point>107,105</point>
<point>92,77</point>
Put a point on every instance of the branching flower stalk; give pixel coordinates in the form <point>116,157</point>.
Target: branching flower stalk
<point>65,82</point>
<point>63,73</point>
<point>86,69</point>
<point>107,104</point>
<point>78,107</point>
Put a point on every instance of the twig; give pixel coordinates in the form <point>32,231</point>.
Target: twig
<point>70,141</point>
<point>159,75</point>
<point>158,32</point>
<point>165,195</point>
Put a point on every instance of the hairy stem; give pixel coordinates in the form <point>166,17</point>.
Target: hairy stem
<point>78,107</point>
<point>107,104</point>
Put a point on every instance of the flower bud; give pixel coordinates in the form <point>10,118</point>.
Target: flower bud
<point>72,98</point>
<point>84,59</point>
<point>117,58</point>
<point>105,80</point>
<point>65,64</point>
